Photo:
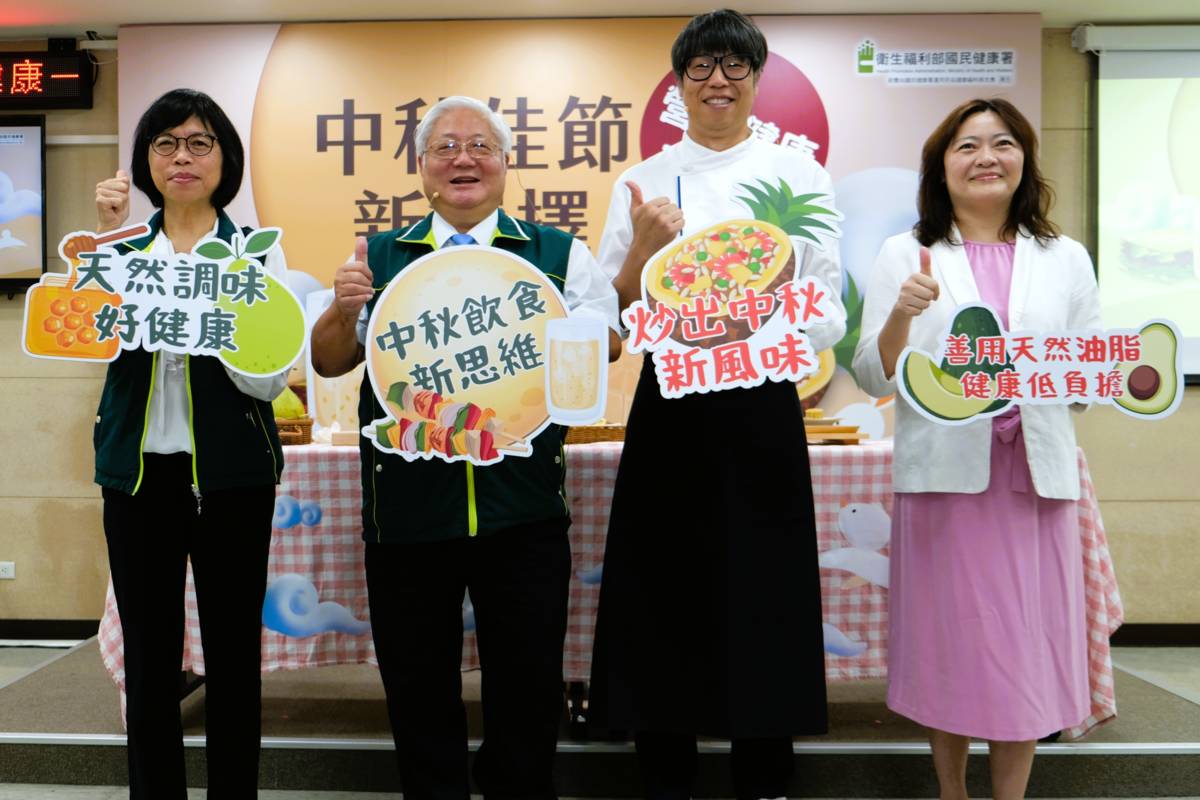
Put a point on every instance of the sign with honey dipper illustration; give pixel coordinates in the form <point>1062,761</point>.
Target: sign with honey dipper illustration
<point>471,352</point>
<point>725,307</point>
<point>216,301</point>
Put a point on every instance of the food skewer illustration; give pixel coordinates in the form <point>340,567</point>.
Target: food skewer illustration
<point>429,422</point>
<point>87,244</point>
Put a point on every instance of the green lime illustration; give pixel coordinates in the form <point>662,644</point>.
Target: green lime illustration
<point>269,334</point>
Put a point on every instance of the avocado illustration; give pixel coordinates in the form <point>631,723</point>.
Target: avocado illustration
<point>269,333</point>
<point>976,322</point>
<point>938,392</point>
<point>1151,382</point>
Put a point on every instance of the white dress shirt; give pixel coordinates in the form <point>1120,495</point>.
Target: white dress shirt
<point>707,185</point>
<point>1053,288</point>
<point>585,287</point>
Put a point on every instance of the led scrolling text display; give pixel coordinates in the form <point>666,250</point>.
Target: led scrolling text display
<point>45,80</point>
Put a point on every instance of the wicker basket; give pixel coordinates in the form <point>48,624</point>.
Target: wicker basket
<point>294,431</point>
<point>586,434</point>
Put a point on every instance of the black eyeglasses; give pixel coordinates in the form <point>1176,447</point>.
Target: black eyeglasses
<point>198,144</point>
<point>736,66</point>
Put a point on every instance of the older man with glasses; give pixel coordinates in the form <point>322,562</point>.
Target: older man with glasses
<point>499,531</point>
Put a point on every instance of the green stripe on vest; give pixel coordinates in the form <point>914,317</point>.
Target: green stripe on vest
<point>424,501</point>
<point>235,440</point>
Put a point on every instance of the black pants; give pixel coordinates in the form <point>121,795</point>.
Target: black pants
<point>150,536</point>
<point>518,582</point>
<point>761,767</point>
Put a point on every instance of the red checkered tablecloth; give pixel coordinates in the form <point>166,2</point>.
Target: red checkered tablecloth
<point>329,553</point>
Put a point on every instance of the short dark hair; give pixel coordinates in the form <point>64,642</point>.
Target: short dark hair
<point>1031,202</point>
<point>174,108</point>
<point>717,32</point>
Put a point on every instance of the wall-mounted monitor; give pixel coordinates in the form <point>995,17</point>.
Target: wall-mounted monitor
<point>1149,192</point>
<point>23,256</point>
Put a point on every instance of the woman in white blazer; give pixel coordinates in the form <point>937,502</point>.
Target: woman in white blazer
<point>987,616</point>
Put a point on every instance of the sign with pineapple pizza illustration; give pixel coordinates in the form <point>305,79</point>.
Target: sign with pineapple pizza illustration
<point>215,301</point>
<point>726,307</point>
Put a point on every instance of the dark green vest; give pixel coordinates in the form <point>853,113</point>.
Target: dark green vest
<point>424,501</point>
<point>234,440</point>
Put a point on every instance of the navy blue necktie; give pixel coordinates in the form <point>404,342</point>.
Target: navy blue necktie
<point>461,238</point>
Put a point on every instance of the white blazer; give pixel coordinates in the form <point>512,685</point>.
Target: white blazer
<point>1053,288</point>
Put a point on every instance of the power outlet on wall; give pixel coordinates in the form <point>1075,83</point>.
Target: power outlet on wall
<point>8,570</point>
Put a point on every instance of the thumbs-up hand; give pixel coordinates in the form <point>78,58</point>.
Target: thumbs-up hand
<point>655,222</point>
<point>112,202</point>
<point>352,282</point>
<point>920,289</point>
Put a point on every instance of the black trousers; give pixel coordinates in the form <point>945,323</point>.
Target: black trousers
<point>518,581</point>
<point>150,536</point>
<point>761,767</point>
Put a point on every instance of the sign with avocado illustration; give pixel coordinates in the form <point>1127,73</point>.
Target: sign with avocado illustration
<point>980,370</point>
<point>724,308</point>
<point>471,353</point>
<point>215,301</point>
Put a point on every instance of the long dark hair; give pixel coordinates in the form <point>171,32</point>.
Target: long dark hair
<point>1030,203</point>
<point>174,108</point>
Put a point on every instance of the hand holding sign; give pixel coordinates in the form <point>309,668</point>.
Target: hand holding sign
<point>352,282</point>
<point>724,309</point>
<point>919,290</point>
<point>980,370</point>
<point>219,300</point>
<point>112,202</point>
<point>655,222</point>
<point>469,353</point>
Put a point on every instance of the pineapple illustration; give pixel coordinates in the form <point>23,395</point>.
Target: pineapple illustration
<point>797,215</point>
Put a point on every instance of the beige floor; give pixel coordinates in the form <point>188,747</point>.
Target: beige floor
<point>1175,669</point>
<point>16,662</point>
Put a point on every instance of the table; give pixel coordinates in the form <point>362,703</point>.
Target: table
<point>846,480</point>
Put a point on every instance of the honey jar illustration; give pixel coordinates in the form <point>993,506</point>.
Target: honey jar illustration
<point>60,322</point>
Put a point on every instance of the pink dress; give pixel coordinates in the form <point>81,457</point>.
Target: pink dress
<point>988,633</point>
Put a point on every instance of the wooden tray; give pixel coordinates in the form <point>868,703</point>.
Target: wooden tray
<point>811,430</point>
<point>836,438</point>
<point>587,434</point>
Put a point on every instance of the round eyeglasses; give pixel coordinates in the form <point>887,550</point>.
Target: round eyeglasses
<point>448,149</point>
<point>198,144</point>
<point>736,66</point>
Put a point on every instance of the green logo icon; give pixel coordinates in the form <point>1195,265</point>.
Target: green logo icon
<point>866,57</point>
